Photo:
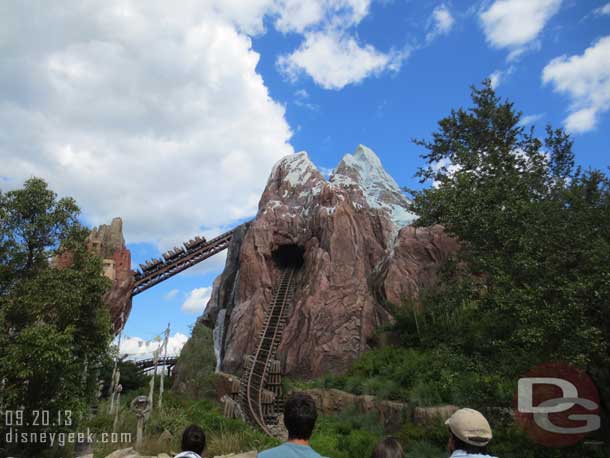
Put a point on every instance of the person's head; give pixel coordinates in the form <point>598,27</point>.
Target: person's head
<point>469,431</point>
<point>193,439</point>
<point>388,448</point>
<point>300,416</point>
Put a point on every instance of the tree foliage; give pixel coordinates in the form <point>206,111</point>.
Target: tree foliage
<point>32,224</point>
<point>54,327</point>
<point>532,281</point>
<point>196,365</point>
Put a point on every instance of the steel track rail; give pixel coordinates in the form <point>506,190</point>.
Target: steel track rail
<point>265,351</point>
<point>144,364</point>
<point>172,268</point>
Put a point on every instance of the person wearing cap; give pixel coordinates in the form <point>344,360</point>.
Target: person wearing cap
<point>469,434</point>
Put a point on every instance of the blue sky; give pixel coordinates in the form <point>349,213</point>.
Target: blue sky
<point>171,116</point>
<point>386,112</point>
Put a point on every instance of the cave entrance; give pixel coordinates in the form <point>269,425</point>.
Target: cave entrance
<point>291,255</point>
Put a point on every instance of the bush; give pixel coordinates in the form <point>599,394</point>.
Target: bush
<point>424,450</point>
<point>348,434</point>
<point>196,365</point>
<point>223,435</point>
<point>424,377</point>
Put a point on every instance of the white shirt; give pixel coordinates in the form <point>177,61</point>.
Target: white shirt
<point>463,454</point>
<point>187,455</point>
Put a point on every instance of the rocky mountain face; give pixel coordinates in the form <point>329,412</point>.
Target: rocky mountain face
<point>351,236</point>
<point>108,243</point>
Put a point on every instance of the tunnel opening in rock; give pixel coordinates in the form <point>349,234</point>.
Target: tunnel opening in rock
<point>291,255</point>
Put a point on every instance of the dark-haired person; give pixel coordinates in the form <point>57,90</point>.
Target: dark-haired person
<point>193,443</point>
<point>388,448</point>
<point>300,417</point>
<point>469,434</point>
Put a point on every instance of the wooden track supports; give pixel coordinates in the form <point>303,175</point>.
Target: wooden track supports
<point>261,384</point>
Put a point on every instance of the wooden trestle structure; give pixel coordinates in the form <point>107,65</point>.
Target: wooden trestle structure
<point>260,393</point>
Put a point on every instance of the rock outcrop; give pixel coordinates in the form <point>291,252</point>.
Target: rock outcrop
<point>108,243</point>
<point>390,414</point>
<point>346,233</point>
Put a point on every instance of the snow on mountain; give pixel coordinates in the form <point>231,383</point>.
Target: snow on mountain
<point>297,171</point>
<point>297,181</point>
<point>363,170</point>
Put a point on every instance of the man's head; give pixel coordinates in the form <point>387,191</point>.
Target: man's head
<point>468,431</point>
<point>300,416</point>
<point>388,448</point>
<point>193,440</point>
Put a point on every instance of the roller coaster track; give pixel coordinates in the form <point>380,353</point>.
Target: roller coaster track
<point>145,364</point>
<point>188,259</point>
<point>252,391</point>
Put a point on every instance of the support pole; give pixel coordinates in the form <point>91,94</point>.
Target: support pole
<point>113,379</point>
<point>163,371</point>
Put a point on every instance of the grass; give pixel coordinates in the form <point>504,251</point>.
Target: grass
<point>349,434</point>
<point>224,436</point>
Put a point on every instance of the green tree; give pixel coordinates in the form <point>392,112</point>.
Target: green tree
<point>55,329</point>
<point>535,230</point>
<point>131,378</point>
<point>531,282</point>
<point>33,223</point>
<point>196,365</point>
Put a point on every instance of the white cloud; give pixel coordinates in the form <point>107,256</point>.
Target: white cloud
<point>441,22</point>
<point>330,53</point>
<point>582,120</point>
<point>301,99</point>
<point>298,15</point>
<point>585,79</point>
<point>497,77</point>
<point>138,348</point>
<point>335,59</point>
<point>197,300</point>
<point>163,122</point>
<point>301,94</point>
<point>530,119</point>
<point>446,167</point>
<point>514,24</point>
<point>171,294</point>
<point>603,10</point>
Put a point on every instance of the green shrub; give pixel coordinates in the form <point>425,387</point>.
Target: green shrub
<point>348,434</point>
<point>422,449</point>
<point>196,365</point>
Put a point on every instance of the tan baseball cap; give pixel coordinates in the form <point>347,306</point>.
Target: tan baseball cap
<point>470,426</point>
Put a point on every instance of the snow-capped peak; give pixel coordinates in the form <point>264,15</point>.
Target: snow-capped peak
<point>369,169</point>
<point>297,169</point>
<point>364,170</point>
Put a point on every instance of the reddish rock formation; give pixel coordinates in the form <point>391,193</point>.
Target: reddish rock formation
<point>107,242</point>
<point>413,263</point>
<point>354,259</point>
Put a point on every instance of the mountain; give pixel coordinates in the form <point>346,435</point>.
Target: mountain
<point>358,254</point>
<point>363,173</point>
<point>108,243</point>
